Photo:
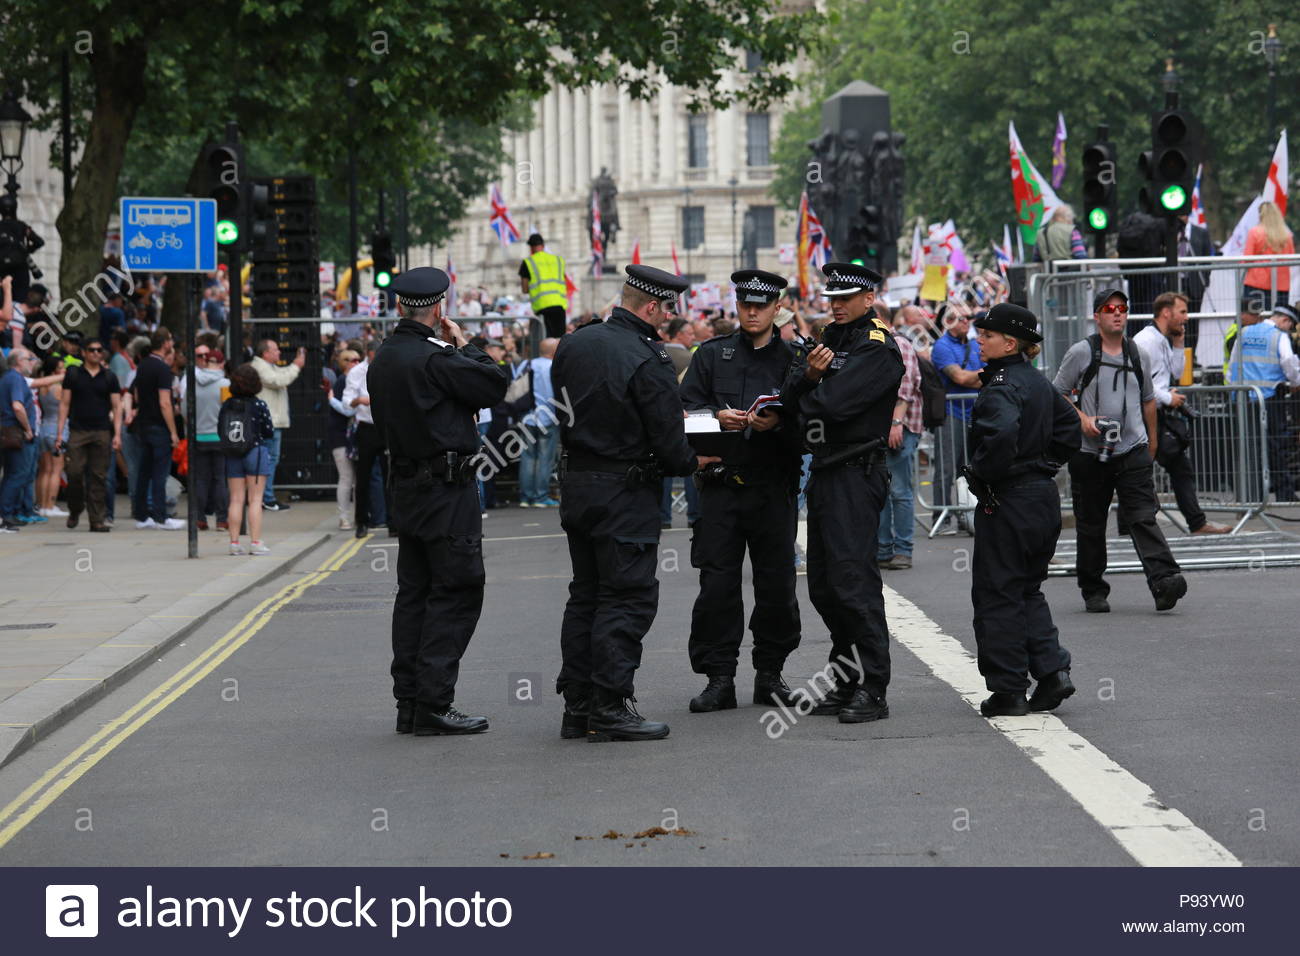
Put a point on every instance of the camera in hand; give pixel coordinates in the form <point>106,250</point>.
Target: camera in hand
<point>1109,428</point>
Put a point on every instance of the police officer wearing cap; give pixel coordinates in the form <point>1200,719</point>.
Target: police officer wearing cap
<point>624,435</point>
<point>747,500</point>
<point>845,394</point>
<point>1021,430</point>
<point>426,383</point>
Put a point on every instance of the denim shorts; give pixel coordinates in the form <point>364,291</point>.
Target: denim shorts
<point>256,462</point>
<point>48,440</point>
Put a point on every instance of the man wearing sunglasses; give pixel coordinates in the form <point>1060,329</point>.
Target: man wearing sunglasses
<point>91,406</point>
<point>1115,398</point>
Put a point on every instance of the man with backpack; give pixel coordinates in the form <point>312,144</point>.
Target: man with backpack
<point>1115,399</point>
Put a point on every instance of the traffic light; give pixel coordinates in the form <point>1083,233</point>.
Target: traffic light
<point>384,258</point>
<point>1169,167</point>
<point>223,172</point>
<point>258,208</point>
<point>873,229</point>
<point>1099,187</point>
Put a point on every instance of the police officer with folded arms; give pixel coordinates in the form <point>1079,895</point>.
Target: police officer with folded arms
<point>425,384</point>
<point>625,434</point>
<point>746,501</point>
<point>845,395</point>
<point>1021,430</point>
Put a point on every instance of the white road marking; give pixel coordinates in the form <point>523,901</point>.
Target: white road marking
<point>1151,832</point>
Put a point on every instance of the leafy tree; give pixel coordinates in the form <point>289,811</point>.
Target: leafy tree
<point>280,66</point>
<point>957,73</point>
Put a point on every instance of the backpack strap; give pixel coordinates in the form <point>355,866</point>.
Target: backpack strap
<point>1094,364</point>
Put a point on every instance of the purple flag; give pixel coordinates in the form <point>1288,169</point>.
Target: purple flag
<point>1058,153</point>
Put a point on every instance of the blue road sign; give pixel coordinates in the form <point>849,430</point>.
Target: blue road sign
<point>169,235</point>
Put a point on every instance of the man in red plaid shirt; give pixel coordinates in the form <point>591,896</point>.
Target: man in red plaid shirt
<point>894,546</point>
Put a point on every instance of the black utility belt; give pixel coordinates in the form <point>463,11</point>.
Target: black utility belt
<point>452,467</point>
<point>870,460</point>
<point>634,472</point>
<point>733,477</point>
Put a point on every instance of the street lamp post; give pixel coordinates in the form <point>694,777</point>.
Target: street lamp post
<point>1272,53</point>
<point>352,190</point>
<point>733,183</point>
<point>13,132</point>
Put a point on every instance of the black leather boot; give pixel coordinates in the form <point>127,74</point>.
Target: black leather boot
<point>833,701</point>
<point>771,690</point>
<point>864,706</point>
<point>719,694</point>
<point>573,725</point>
<point>449,720</point>
<point>1005,704</point>
<point>1051,690</point>
<point>405,716</point>
<point>613,717</point>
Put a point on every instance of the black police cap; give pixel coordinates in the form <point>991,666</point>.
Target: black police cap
<point>420,288</point>
<point>655,282</point>
<point>758,286</point>
<point>1011,320</point>
<point>849,278</point>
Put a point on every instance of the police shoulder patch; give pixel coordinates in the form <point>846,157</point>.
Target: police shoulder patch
<point>438,342</point>
<point>728,352</point>
<point>998,378</point>
<point>876,335</point>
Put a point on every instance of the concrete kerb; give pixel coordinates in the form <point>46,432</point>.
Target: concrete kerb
<point>37,712</point>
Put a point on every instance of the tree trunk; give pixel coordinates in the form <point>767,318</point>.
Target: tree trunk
<point>118,72</point>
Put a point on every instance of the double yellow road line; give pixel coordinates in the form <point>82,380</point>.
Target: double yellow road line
<point>29,804</point>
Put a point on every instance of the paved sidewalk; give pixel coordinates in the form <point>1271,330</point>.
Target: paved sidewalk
<point>80,613</point>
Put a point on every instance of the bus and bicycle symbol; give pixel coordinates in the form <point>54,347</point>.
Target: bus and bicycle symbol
<point>167,240</point>
<point>161,214</point>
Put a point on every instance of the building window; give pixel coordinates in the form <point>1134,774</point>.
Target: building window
<point>611,144</point>
<point>692,227</point>
<point>753,61</point>
<point>758,142</point>
<point>697,141</point>
<point>764,220</point>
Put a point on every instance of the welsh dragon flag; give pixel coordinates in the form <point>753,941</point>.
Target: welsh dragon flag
<point>1034,197</point>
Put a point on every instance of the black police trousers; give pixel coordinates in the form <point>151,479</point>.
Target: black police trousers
<point>844,503</point>
<point>439,586</point>
<point>760,517</point>
<point>613,533</point>
<point>1093,484</point>
<point>1014,632</point>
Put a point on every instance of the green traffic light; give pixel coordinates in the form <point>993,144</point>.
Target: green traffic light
<point>382,279</point>
<point>1099,219</point>
<point>1173,197</point>
<point>857,262</point>
<point>227,232</point>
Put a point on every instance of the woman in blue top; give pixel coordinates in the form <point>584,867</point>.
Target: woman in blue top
<point>246,475</point>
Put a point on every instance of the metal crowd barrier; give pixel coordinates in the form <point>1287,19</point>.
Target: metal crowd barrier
<point>1241,447</point>
<point>1060,293</point>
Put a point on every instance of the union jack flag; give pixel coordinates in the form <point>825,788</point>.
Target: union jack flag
<point>500,220</point>
<point>597,240</point>
<point>1197,216</point>
<point>819,244</point>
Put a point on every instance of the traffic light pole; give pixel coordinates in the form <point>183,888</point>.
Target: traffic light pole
<point>235,318</point>
<point>352,190</point>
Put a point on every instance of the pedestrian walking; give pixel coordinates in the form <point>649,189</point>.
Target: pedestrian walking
<point>90,408</point>
<point>1021,431</point>
<point>1115,400</point>
<point>424,390</point>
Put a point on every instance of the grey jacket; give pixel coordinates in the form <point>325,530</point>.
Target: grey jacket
<point>208,384</point>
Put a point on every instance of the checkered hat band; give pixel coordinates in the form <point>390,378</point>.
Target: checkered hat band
<point>755,285</point>
<point>421,302</point>
<point>658,291</point>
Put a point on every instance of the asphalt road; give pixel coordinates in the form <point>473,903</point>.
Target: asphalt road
<point>284,754</point>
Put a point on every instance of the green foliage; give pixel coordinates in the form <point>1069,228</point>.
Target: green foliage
<point>958,72</point>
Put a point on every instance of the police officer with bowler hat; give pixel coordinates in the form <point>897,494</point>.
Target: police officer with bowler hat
<point>624,435</point>
<point>1022,429</point>
<point>426,383</point>
<point>747,500</point>
<point>845,395</point>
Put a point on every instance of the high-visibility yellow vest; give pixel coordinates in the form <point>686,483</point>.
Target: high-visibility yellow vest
<point>1229,337</point>
<point>546,281</point>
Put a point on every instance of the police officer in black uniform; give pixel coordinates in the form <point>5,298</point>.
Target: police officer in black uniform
<point>426,383</point>
<point>1021,430</point>
<point>845,394</point>
<point>748,499</point>
<point>625,435</point>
